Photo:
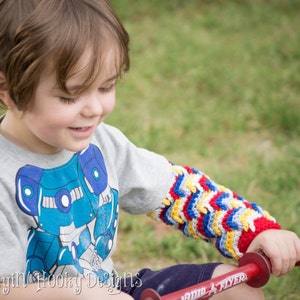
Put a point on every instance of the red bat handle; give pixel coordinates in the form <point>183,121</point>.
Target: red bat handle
<point>264,267</point>
<point>263,264</point>
<point>254,269</point>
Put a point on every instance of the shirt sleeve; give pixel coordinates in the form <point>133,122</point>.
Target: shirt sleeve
<point>202,209</point>
<point>141,177</point>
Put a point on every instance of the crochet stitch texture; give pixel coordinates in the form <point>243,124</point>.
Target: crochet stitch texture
<point>202,209</point>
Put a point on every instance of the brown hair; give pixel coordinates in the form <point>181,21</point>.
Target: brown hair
<point>35,35</point>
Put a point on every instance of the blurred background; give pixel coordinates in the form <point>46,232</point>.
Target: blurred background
<point>214,85</point>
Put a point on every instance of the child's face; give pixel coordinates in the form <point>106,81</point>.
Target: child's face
<point>57,121</point>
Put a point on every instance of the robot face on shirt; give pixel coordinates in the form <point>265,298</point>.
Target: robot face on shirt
<point>75,211</point>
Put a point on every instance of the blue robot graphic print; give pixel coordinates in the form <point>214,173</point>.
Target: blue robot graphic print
<point>75,212</point>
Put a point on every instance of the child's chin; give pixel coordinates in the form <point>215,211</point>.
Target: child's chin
<point>78,148</point>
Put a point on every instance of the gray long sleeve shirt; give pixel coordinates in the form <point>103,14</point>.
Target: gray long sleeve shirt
<point>59,212</point>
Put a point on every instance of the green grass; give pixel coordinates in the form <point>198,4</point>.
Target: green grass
<point>215,85</point>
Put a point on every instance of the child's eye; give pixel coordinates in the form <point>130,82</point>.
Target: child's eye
<point>67,100</point>
<point>107,89</point>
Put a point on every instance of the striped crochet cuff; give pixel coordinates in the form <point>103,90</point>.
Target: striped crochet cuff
<point>204,210</point>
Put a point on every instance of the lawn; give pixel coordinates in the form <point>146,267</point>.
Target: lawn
<point>214,85</point>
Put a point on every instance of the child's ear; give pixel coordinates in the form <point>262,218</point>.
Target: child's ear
<point>4,93</point>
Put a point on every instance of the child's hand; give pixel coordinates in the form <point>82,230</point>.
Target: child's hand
<point>281,246</point>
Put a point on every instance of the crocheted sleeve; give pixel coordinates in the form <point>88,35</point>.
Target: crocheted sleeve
<point>204,210</point>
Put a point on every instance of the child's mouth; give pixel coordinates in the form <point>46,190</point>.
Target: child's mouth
<point>86,131</point>
<point>81,128</point>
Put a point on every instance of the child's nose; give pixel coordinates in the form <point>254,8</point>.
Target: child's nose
<point>93,106</point>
